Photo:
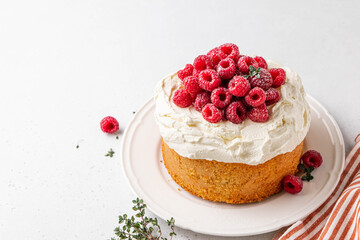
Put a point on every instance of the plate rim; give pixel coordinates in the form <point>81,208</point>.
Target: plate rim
<point>150,103</point>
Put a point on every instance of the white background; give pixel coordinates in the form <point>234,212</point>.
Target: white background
<point>64,65</point>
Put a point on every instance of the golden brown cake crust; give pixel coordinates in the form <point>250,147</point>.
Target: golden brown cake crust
<point>230,182</point>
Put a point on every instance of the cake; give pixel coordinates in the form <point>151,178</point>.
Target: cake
<point>239,159</point>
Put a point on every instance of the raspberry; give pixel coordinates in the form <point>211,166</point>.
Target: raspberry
<point>245,62</point>
<point>259,114</point>
<point>109,124</point>
<point>312,158</point>
<point>239,86</point>
<point>182,98</point>
<point>246,105</point>
<point>202,98</point>
<point>186,72</point>
<point>221,97</point>
<point>211,113</point>
<point>209,80</point>
<point>201,63</point>
<point>272,96</point>
<point>255,97</point>
<point>292,184</point>
<point>264,80</point>
<point>191,85</point>
<point>235,112</point>
<point>278,75</point>
<point>216,56</point>
<point>226,68</point>
<point>230,50</point>
<point>261,62</point>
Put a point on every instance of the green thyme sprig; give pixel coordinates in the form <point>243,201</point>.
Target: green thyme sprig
<point>254,72</point>
<point>307,170</point>
<point>141,227</point>
<point>110,153</point>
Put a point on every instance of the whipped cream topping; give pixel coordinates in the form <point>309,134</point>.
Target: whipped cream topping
<point>191,136</point>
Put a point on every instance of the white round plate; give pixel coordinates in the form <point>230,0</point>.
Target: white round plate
<point>149,179</point>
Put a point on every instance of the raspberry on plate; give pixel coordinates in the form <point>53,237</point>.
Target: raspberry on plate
<point>209,80</point>
<point>260,78</point>
<point>244,64</point>
<point>278,75</point>
<point>239,86</point>
<point>259,114</point>
<point>191,85</point>
<point>182,98</point>
<point>186,72</point>
<point>211,113</point>
<point>292,184</point>
<point>201,100</point>
<point>216,56</point>
<point>201,63</point>
<point>226,68</point>
<point>255,97</point>
<point>235,112</point>
<point>312,158</point>
<point>221,97</point>
<point>261,62</point>
<point>272,96</point>
<point>231,51</point>
<point>109,125</point>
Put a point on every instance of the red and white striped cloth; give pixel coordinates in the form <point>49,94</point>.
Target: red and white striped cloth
<point>339,216</point>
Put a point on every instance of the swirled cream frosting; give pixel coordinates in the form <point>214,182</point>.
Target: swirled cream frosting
<point>191,136</point>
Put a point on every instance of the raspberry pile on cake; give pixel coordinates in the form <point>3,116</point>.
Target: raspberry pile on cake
<point>224,85</point>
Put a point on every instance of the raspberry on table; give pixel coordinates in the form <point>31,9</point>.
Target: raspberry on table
<point>244,64</point>
<point>255,97</point>
<point>272,96</point>
<point>109,125</point>
<point>259,114</point>
<point>209,80</point>
<point>235,112</point>
<point>312,158</point>
<point>226,68</point>
<point>216,56</point>
<point>202,98</point>
<point>292,184</point>
<point>262,80</point>
<point>191,85</point>
<point>186,72</point>
<point>221,97</point>
<point>182,99</point>
<point>231,51</point>
<point>211,113</point>
<point>201,63</point>
<point>261,62</point>
<point>278,75</point>
<point>239,86</point>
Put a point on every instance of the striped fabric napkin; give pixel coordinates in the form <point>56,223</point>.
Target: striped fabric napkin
<point>339,216</point>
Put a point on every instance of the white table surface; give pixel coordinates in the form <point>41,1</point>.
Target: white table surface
<point>64,65</point>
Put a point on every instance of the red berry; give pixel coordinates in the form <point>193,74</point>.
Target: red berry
<point>182,98</point>
<point>264,81</point>
<point>235,112</point>
<point>278,75</point>
<point>191,85</point>
<point>186,72</point>
<point>230,50</point>
<point>209,80</point>
<point>292,184</point>
<point>246,105</point>
<point>244,64</point>
<point>239,86</point>
<point>255,97</point>
<point>226,68</point>
<point>216,56</point>
<point>201,100</point>
<point>221,97</point>
<point>259,114</point>
<point>312,158</point>
<point>201,63</point>
<point>261,62</point>
<point>109,125</point>
<point>211,113</point>
<point>272,96</point>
